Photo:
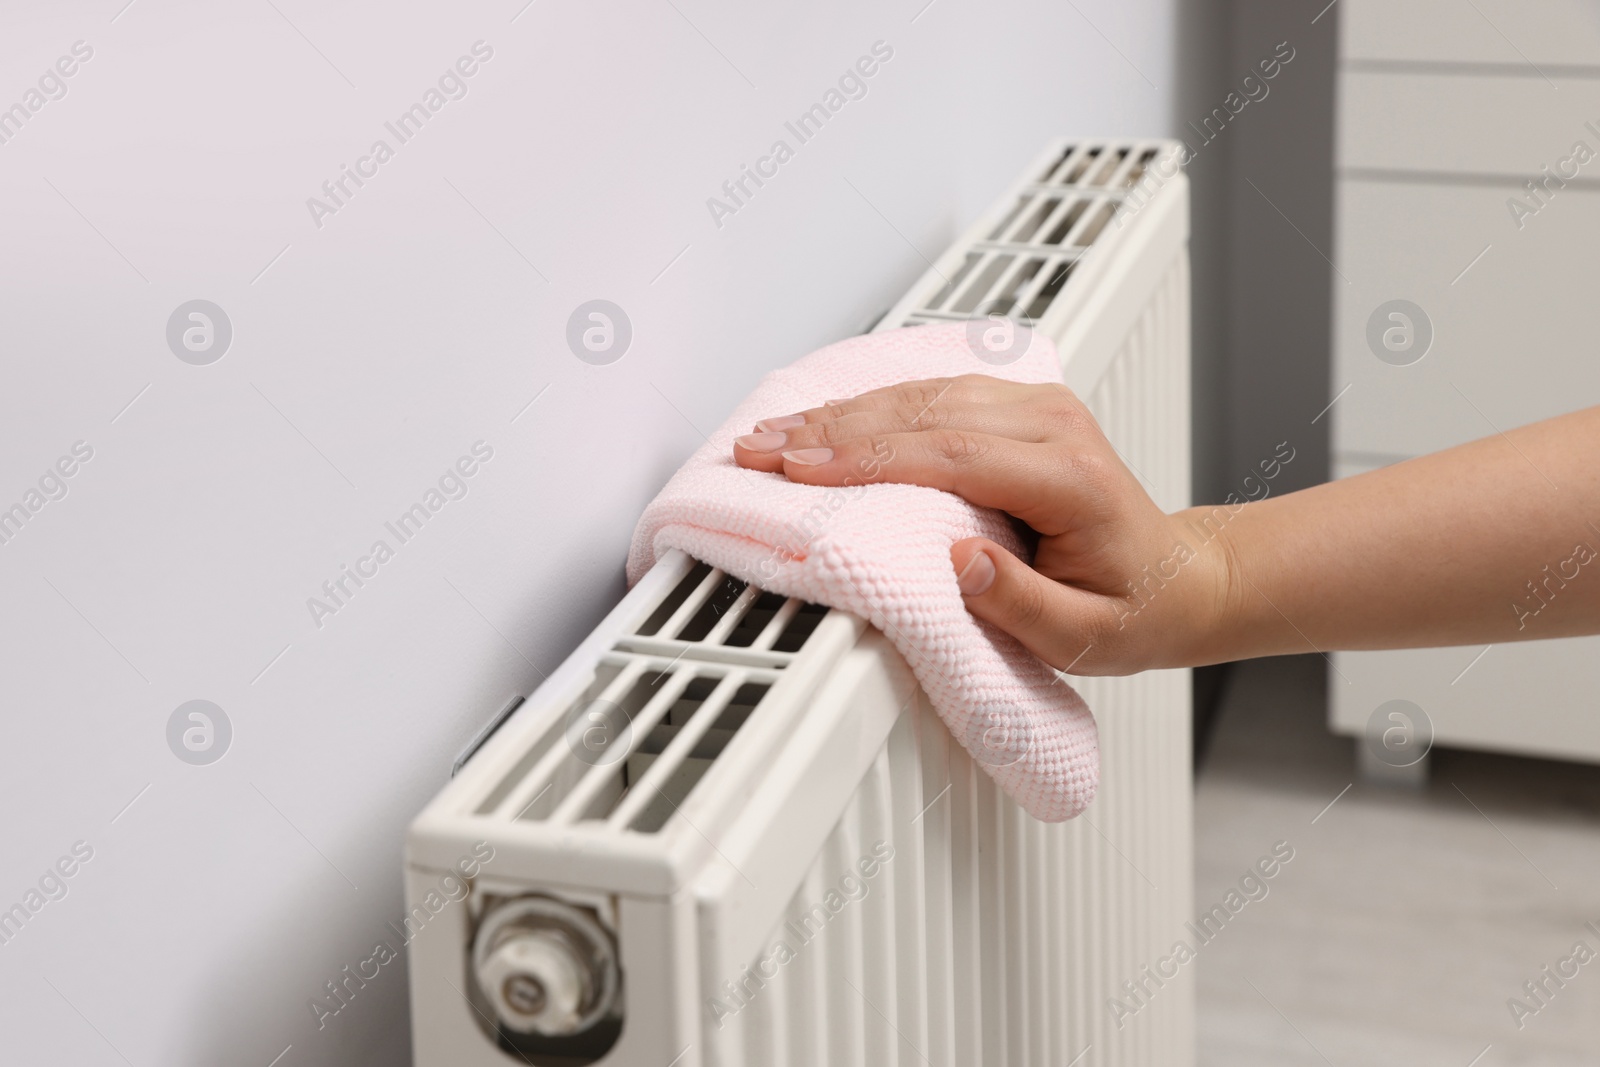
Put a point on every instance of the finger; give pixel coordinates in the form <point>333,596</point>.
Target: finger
<point>970,403</point>
<point>913,397</point>
<point>1036,412</point>
<point>1056,622</point>
<point>763,450</point>
<point>1052,397</point>
<point>992,472</point>
<point>966,387</point>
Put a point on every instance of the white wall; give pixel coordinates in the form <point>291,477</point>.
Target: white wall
<point>376,350</point>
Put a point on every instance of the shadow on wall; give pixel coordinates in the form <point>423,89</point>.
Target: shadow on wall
<point>263,978</point>
<point>1203,29</point>
<point>1280,220</point>
<point>1261,178</point>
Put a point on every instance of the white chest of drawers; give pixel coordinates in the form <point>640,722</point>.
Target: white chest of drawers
<point>1447,111</point>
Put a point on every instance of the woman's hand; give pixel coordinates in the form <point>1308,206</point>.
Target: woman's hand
<point>1116,585</point>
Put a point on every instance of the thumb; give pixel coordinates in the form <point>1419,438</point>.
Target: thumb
<point>1055,621</point>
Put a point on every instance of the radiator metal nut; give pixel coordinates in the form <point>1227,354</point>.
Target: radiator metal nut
<point>546,967</point>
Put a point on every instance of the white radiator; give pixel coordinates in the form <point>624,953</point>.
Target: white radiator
<point>729,830</point>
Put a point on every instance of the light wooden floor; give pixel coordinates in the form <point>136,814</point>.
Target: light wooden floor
<point>1405,920</point>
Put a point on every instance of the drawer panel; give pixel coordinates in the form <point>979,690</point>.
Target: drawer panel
<point>1514,340</point>
<point>1468,124</point>
<point>1509,32</point>
<point>1536,698</point>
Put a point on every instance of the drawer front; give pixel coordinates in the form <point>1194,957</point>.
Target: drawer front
<point>1538,698</point>
<point>1514,339</point>
<point>1469,124</point>
<point>1501,32</point>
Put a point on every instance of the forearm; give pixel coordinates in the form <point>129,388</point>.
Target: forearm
<point>1496,540</point>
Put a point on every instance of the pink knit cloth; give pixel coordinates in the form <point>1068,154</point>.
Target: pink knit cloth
<point>882,551</point>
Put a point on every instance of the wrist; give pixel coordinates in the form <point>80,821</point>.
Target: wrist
<point>1215,628</point>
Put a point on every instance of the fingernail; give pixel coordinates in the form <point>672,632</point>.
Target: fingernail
<point>977,576</point>
<point>762,442</point>
<point>809,457</point>
<point>782,422</point>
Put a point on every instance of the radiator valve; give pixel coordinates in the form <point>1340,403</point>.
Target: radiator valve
<point>546,967</point>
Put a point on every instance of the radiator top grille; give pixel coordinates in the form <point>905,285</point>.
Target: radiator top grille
<point>664,702</point>
<point>1023,262</point>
